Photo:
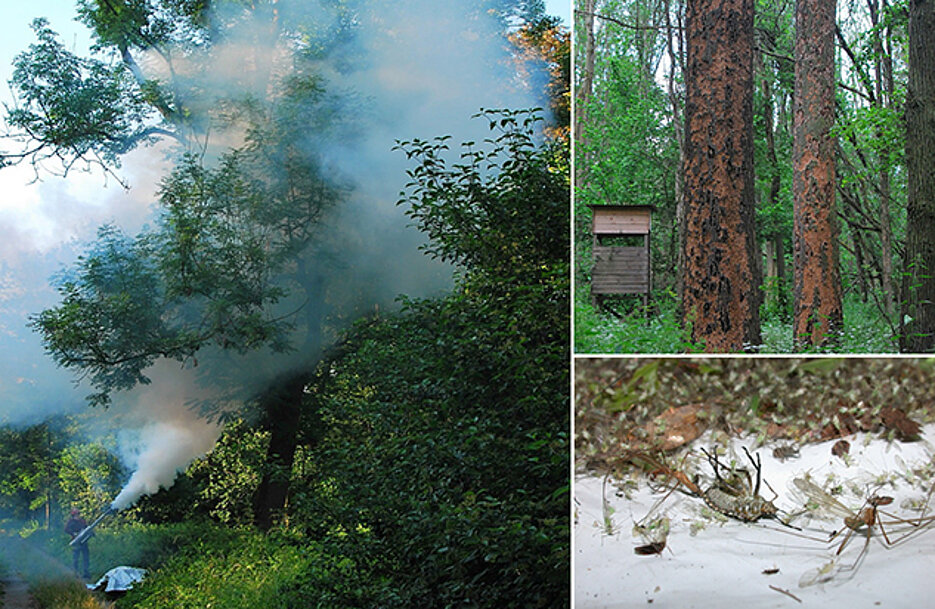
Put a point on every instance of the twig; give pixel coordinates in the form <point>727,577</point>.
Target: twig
<point>787,593</point>
<point>625,24</point>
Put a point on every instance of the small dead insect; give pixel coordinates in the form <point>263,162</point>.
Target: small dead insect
<point>786,451</point>
<point>654,534</point>
<point>650,548</point>
<point>772,571</point>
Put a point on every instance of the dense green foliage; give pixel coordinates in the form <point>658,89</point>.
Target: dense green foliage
<point>425,462</point>
<point>435,472</point>
<point>599,332</point>
<point>629,155</point>
<point>489,362</point>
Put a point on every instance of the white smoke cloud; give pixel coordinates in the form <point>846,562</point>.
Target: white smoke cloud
<point>160,453</point>
<point>423,67</point>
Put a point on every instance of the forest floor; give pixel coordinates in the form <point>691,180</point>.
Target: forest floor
<point>598,331</point>
<point>31,569</point>
<point>714,561</point>
<point>15,593</point>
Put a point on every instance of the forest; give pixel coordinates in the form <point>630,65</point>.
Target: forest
<point>784,149</point>
<point>330,369</point>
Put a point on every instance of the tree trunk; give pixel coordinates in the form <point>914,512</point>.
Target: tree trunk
<point>585,87</point>
<point>721,291</point>
<point>818,318</point>
<point>884,90</point>
<point>918,327</point>
<point>676,67</point>
<point>283,404</point>
<point>282,408</point>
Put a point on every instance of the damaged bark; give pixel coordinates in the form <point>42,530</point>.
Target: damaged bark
<point>818,317</point>
<point>721,289</point>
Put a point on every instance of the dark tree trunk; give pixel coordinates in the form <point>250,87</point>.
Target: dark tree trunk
<point>282,408</point>
<point>918,329</point>
<point>721,290</point>
<point>283,405</point>
<point>818,314</point>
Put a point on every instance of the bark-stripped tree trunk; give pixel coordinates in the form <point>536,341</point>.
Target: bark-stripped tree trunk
<point>721,293</point>
<point>818,314</point>
<point>918,330</point>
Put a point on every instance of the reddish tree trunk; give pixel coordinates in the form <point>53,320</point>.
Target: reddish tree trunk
<point>818,313</point>
<point>918,333</point>
<point>721,289</point>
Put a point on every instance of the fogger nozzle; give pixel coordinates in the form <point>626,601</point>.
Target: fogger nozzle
<point>87,531</point>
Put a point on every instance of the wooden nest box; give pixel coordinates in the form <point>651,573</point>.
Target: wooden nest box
<point>621,251</point>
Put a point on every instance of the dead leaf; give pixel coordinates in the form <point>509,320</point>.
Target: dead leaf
<point>677,426</point>
<point>841,448</point>
<point>896,419</point>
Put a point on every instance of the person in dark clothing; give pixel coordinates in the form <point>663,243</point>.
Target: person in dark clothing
<point>75,525</point>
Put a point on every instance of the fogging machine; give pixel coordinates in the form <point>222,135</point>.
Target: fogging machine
<point>87,531</point>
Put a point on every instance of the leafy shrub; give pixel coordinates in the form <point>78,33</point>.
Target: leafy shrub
<point>246,570</point>
<point>600,332</point>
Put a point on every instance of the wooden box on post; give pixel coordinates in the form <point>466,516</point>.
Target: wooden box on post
<point>621,251</point>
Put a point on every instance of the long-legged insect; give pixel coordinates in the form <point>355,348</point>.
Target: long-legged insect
<point>731,497</point>
<point>868,516</point>
<point>728,495</point>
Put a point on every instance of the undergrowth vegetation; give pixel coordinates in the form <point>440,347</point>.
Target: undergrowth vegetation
<point>598,331</point>
<point>432,463</point>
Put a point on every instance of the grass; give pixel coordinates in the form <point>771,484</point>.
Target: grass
<point>196,564</point>
<point>64,594</point>
<point>46,558</point>
<point>600,332</point>
<point>50,582</point>
<point>249,570</point>
<point>865,330</point>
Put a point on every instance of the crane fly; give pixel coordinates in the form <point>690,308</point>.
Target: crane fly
<point>867,517</point>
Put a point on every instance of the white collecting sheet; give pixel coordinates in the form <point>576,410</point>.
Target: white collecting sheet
<point>728,563</point>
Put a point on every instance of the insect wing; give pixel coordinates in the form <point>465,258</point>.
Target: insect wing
<point>818,575</point>
<point>828,504</point>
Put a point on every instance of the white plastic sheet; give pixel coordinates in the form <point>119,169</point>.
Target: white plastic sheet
<point>118,579</point>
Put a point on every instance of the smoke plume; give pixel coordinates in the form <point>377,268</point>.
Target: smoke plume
<point>415,68</point>
<point>167,449</point>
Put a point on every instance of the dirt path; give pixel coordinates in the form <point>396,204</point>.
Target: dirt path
<point>15,593</point>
